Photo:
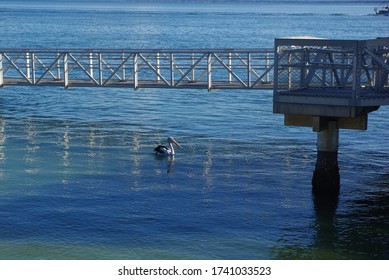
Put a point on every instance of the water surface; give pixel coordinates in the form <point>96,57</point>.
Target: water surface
<point>79,180</point>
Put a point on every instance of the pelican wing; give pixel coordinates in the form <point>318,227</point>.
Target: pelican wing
<point>162,150</point>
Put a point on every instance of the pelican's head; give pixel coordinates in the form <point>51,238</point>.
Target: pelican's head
<point>171,140</point>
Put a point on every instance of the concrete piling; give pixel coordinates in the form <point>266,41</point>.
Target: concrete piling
<point>326,179</point>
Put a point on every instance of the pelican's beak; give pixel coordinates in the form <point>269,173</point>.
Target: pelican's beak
<point>176,143</point>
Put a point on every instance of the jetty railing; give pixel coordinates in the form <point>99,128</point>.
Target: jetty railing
<point>154,68</point>
<point>332,72</point>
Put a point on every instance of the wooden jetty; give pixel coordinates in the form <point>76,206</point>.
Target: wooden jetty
<point>324,84</point>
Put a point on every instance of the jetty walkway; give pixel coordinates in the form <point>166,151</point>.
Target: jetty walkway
<point>153,68</point>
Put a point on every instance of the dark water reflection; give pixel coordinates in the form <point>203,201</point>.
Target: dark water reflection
<point>359,232</point>
<point>365,230</point>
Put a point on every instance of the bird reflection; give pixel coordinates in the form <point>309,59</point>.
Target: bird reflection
<point>135,158</point>
<point>32,146</point>
<point>169,162</point>
<point>65,145</point>
<point>2,140</point>
<point>207,167</point>
<point>2,144</point>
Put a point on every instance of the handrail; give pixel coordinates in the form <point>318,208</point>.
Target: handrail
<point>139,68</point>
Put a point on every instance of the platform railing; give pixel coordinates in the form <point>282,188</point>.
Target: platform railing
<point>344,72</point>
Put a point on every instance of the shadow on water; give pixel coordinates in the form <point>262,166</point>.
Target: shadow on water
<point>361,231</point>
<point>325,206</point>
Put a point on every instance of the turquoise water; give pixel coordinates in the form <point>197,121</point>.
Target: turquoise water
<point>79,180</point>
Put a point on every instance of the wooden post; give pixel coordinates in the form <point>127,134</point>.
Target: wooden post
<point>123,68</point>
<point>28,69</point>
<point>193,70</point>
<point>136,85</point>
<point>65,70</point>
<point>58,67</point>
<point>171,69</point>
<point>33,79</point>
<point>100,69</point>
<point>209,71</point>
<point>158,67</point>
<point>90,62</point>
<point>229,67</point>
<point>248,69</point>
<point>1,71</point>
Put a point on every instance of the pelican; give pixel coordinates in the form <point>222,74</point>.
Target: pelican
<point>167,151</point>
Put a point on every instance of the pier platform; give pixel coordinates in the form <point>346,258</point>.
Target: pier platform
<point>329,85</point>
<point>334,78</point>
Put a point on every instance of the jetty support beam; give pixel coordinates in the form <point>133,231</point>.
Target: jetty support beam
<point>326,179</point>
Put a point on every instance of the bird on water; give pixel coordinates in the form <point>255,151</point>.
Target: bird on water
<point>167,151</point>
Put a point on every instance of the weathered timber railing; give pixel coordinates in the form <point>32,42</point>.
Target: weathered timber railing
<point>180,68</point>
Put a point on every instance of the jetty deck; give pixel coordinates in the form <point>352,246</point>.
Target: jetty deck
<point>337,78</point>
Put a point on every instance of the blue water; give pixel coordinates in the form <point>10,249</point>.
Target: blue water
<point>79,180</point>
